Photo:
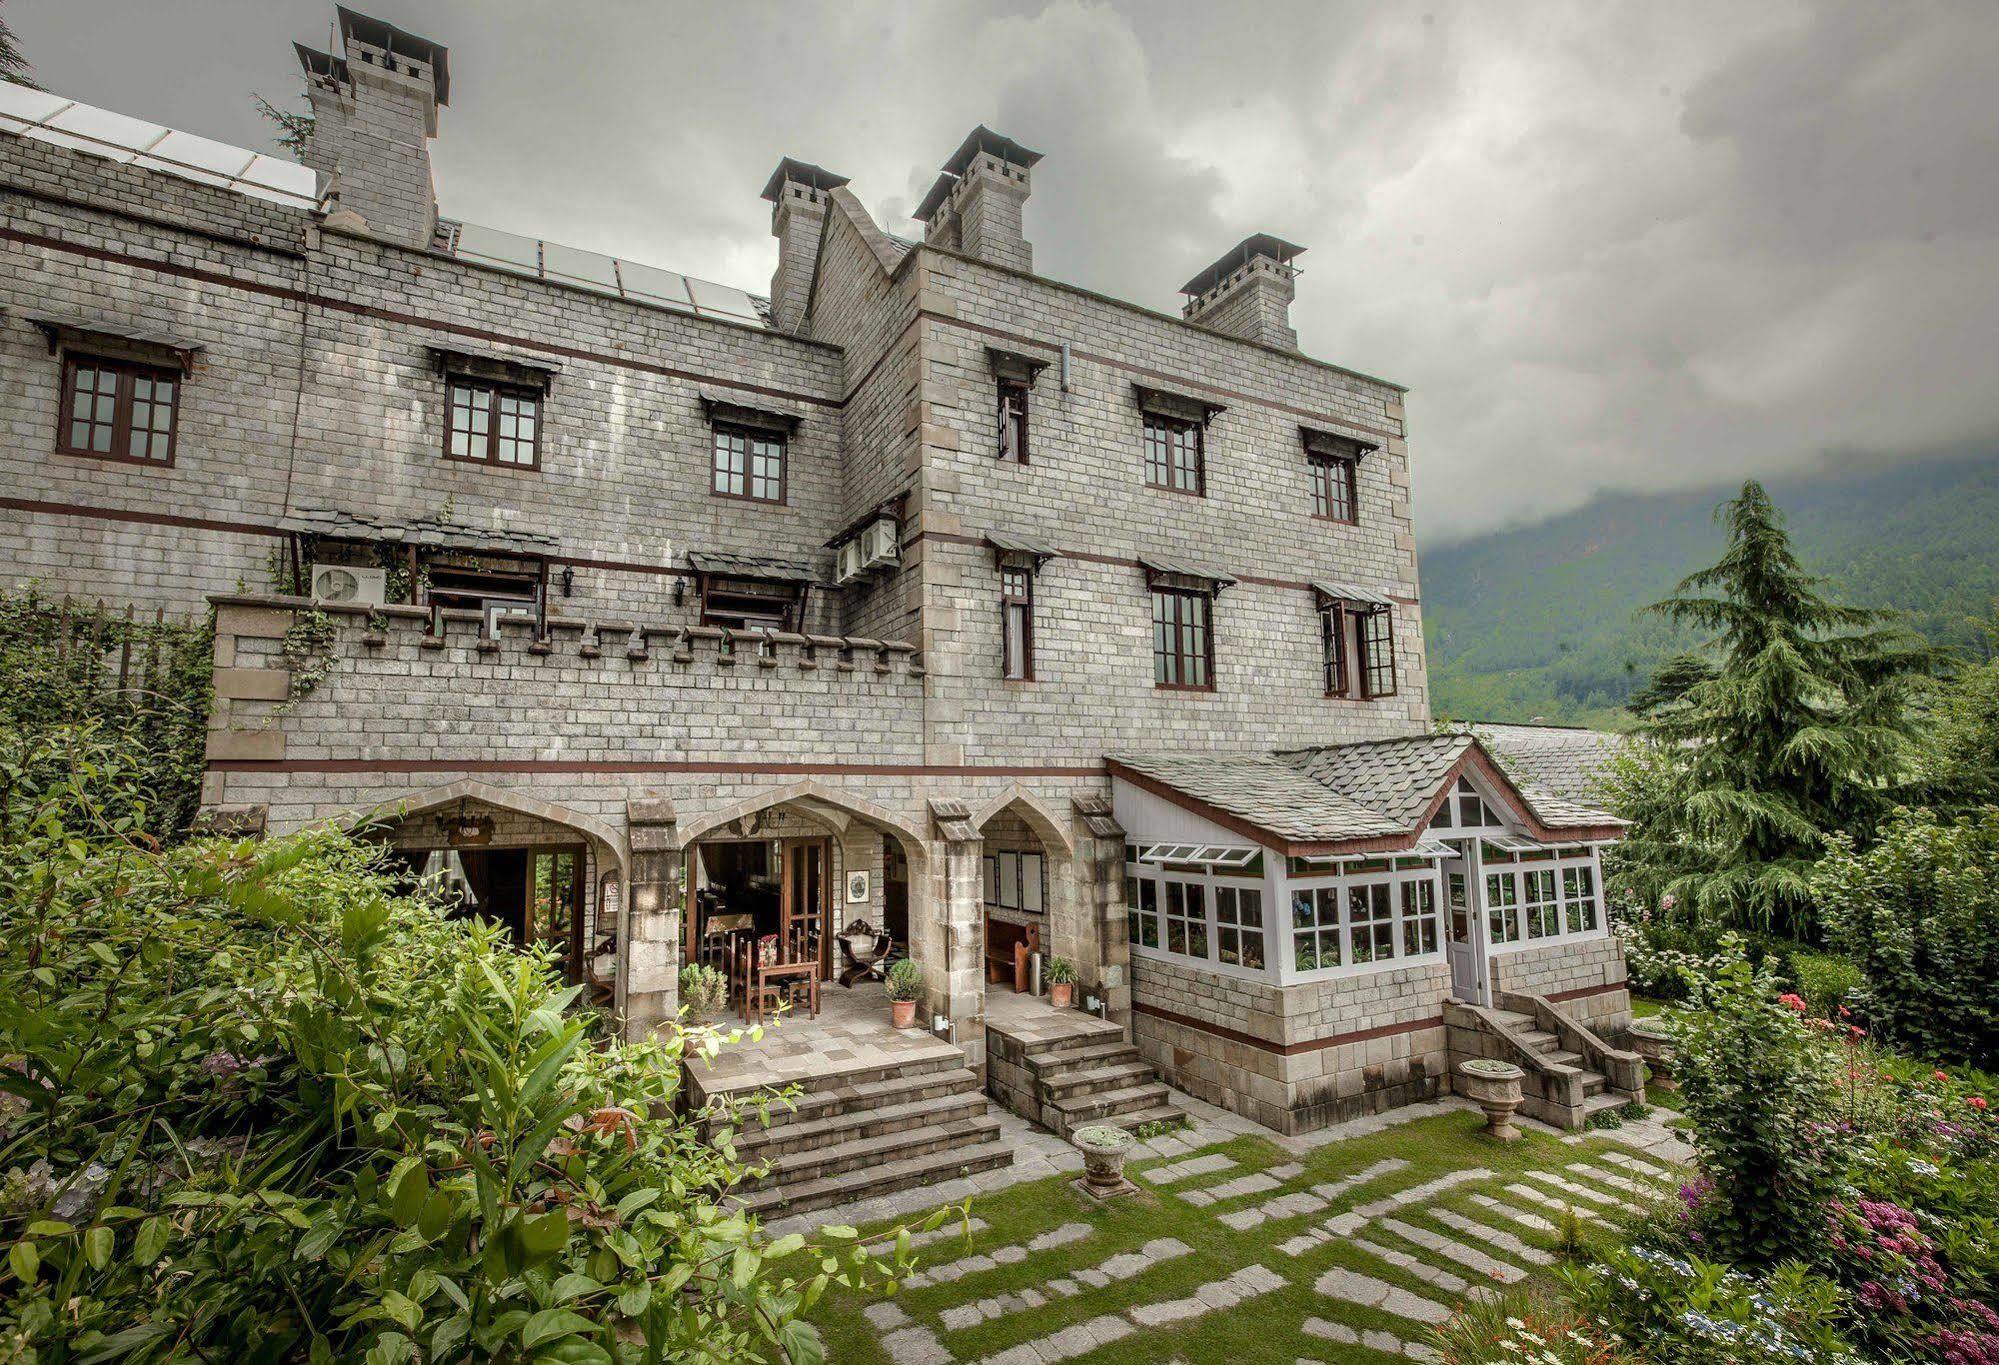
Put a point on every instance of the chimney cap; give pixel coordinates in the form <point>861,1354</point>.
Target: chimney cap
<point>805,173</point>
<point>1256,244</point>
<point>401,42</point>
<point>984,139</point>
<point>933,198</point>
<point>323,64</point>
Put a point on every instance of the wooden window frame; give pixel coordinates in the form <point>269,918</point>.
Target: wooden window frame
<point>785,601</point>
<point>1336,663</point>
<point>1375,645</point>
<point>1179,625</point>
<point>1011,403</point>
<point>1170,427</point>
<point>495,389</point>
<point>1016,595</point>
<point>123,403</point>
<point>750,436</point>
<point>1330,474</point>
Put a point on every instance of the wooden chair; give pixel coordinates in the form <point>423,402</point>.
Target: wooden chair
<point>765,978</point>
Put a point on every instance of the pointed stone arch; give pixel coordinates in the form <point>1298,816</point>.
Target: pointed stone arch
<point>813,793</point>
<point>418,801</point>
<point>1038,816</point>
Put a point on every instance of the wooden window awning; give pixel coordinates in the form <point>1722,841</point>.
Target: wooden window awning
<point>1016,365</point>
<point>1185,406</point>
<point>1319,441</point>
<point>1016,552</point>
<point>1187,577</point>
<point>426,532</point>
<point>110,337</point>
<point>536,374</point>
<point>733,409</point>
<point>1351,597</point>
<point>722,564</point>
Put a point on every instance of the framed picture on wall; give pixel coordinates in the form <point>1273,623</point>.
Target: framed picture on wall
<point>857,887</point>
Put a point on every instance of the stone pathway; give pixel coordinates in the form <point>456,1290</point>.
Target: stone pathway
<point>1255,1183</point>
<point>1351,1286</point>
<point>1373,1338</point>
<point>1496,1237</point>
<point>952,1271</point>
<point>1470,1257</point>
<point>1185,1170</point>
<point>1301,1202</point>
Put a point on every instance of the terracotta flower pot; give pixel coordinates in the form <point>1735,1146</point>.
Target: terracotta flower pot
<point>902,1013</point>
<point>1060,993</point>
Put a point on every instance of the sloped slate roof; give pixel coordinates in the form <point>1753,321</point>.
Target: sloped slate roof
<point>1379,790</point>
<point>1268,792</point>
<point>427,531</point>
<point>1565,763</point>
<point>750,566</point>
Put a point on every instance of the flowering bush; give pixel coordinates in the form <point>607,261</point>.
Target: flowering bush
<point>1697,1312</point>
<point>1535,1327</point>
<point>1905,1298</point>
<point>1760,1084</point>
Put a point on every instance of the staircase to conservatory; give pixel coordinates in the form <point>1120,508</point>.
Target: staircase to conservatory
<point>1572,1074</point>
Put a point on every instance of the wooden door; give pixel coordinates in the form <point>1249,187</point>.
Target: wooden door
<point>555,907</point>
<point>805,897</point>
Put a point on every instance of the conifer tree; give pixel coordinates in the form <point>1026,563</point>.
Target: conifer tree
<point>1790,722</point>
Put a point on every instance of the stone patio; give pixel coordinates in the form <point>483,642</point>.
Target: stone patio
<point>851,1034</point>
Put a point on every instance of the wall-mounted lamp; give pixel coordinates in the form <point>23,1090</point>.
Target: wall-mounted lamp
<point>568,580</point>
<point>679,590</point>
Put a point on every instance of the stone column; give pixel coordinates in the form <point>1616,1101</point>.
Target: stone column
<point>956,986</point>
<point>1105,965</point>
<point>652,928</point>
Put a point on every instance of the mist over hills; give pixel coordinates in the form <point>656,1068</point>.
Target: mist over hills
<point>1545,621</point>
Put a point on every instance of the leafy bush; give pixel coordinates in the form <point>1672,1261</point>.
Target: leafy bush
<point>1697,1312</point>
<point>1919,912</point>
<point>1061,972</point>
<point>1826,981</point>
<point>703,991</point>
<point>1530,1325</point>
<point>904,980</point>
<point>1760,1087</point>
<point>259,1107</point>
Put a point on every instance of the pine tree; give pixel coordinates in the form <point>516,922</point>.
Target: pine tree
<point>1792,721</point>
<point>13,65</point>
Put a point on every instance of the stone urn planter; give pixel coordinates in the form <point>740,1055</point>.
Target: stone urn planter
<point>1652,1040</point>
<point>1104,1148</point>
<point>1493,1086</point>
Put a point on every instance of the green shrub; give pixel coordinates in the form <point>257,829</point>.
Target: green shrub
<point>1691,1311</point>
<point>1761,1088</point>
<point>1919,913</point>
<point>703,990</point>
<point>1826,981</point>
<point>904,980</point>
<point>258,1106</point>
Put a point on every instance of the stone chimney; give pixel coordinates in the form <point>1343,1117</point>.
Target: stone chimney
<point>797,193</point>
<point>975,204</point>
<point>1248,292</point>
<point>374,108</point>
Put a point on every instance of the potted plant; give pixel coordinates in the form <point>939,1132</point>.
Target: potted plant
<point>1061,982</point>
<point>703,992</point>
<point>904,982</point>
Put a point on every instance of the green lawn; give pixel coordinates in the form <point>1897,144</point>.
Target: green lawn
<point>1263,1329</point>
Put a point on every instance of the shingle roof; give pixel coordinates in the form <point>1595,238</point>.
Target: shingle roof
<point>1378,790</point>
<point>1267,792</point>
<point>428,531</point>
<point>750,566</point>
<point>1563,762</point>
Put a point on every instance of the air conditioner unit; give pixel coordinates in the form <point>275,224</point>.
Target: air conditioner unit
<point>341,583</point>
<point>881,544</point>
<point>850,564</point>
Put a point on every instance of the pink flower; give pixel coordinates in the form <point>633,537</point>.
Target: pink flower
<point>1796,1002</point>
<point>1940,1076</point>
<point>1976,1102</point>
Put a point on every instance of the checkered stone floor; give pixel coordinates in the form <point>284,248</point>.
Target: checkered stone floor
<point>1342,1246</point>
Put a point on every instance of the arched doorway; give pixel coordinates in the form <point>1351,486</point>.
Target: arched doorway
<point>1027,891</point>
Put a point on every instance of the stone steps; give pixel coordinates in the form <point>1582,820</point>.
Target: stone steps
<point>927,1169</point>
<point>1122,1106</point>
<point>1096,1080</point>
<point>921,1110</point>
<point>1082,1056</point>
<point>859,1154</point>
<point>867,1087</point>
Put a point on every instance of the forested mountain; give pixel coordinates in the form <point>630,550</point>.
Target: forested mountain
<point>1544,621</point>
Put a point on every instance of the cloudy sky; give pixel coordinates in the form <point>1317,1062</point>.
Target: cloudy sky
<point>1606,246</point>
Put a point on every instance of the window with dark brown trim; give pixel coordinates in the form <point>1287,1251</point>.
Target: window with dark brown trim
<point>1017,625</point>
<point>1335,488</point>
<point>1174,458</point>
<point>750,604</point>
<point>1183,645</point>
<point>118,410</point>
<point>487,422</point>
<point>748,464</point>
<point>1013,421</point>
<point>1377,654</point>
<point>1333,648</point>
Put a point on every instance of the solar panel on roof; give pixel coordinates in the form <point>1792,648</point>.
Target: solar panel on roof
<point>721,298</point>
<point>507,249</point>
<point>595,271</point>
<point>118,138</point>
<point>653,285</point>
<point>579,267</point>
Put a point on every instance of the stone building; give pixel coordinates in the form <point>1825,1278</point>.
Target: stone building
<point>927,591</point>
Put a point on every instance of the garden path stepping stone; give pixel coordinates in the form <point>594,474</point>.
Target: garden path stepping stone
<point>1186,1170</point>
<point>1255,1183</point>
<point>1353,1287</point>
<point>1582,1191</point>
<point>1301,1202</point>
<point>916,1346</point>
<point>1497,1237</point>
<point>950,1272</point>
<point>1247,1283</point>
<point>1374,1339</point>
<point>1640,1166</point>
<point>1470,1257</point>
<point>1520,1216</point>
<point>885,1316</point>
<point>1422,1270</point>
<point>1546,1200</point>
<point>1613,1179</point>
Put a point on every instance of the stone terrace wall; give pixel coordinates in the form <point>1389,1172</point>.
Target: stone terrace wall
<point>1294,1058</point>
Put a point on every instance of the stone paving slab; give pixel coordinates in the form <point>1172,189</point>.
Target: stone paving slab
<point>1373,1338</point>
<point>1520,1216</point>
<point>1257,1182</point>
<point>1583,1191</point>
<point>1350,1286</point>
<point>1185,1170</point>
<point>1641,1167</point>
<point>1432,1275</point>
<point>1534,1195</point>
<point>1613,1180</point>
<point>1301,1202</point>
<point>1470,1257</point>
<point>1494,1237</point>
<point>1247,1283</point>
